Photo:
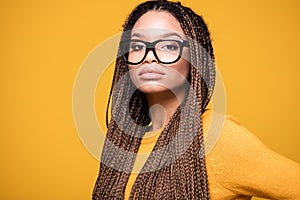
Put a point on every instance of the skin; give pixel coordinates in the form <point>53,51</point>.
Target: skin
<point>160,82</point>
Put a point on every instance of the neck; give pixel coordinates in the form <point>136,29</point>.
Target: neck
<point>162,107</point>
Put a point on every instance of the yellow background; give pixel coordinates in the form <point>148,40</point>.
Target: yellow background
<point>43,44</point>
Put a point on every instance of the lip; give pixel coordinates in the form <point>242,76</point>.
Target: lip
<point>150,73</point>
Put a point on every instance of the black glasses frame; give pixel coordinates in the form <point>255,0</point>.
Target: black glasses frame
<point>151,46</point>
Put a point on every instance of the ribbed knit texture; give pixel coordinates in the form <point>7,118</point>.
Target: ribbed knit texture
<point>239,166</point>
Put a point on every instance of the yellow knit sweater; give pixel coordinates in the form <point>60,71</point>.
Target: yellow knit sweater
<point>238,167</point>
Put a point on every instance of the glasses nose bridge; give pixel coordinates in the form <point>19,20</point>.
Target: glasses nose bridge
<point>150,46</point>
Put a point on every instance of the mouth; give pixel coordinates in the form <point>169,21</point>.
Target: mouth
<point>150,73</point>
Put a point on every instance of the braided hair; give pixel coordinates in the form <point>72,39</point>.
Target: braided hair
<point>176,168</point>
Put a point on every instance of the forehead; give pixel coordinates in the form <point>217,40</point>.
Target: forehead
<point>154,24</point>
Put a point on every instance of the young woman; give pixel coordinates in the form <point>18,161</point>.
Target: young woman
<point>154,148</point>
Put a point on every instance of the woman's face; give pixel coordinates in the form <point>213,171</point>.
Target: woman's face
<point>151,76</point>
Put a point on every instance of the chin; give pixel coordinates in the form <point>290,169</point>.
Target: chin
<point>152,88</point>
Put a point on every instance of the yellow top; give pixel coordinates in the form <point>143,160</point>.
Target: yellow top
<point>238,167</point>
<point>147,144</point>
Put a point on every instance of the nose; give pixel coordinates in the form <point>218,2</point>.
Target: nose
<point>150,57</point>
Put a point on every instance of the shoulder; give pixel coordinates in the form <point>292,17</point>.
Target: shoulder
<point>224,134</point>
<point>222,130</point>
<point>240,162</point>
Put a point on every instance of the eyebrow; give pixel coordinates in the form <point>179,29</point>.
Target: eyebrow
<point>165,35</point>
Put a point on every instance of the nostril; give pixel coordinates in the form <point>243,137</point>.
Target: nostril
<point>150,57</point>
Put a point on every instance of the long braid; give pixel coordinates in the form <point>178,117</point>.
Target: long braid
<point>199,33</point>
<point>178,175</point>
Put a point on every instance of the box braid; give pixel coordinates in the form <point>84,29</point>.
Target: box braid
<point>178,175</point>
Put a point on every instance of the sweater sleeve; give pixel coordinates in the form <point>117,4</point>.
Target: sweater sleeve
<point>241,164</point>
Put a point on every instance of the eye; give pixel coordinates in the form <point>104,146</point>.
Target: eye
<point>170,47</point>
<point>136,46</point>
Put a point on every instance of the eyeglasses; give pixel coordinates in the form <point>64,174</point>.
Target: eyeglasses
<point>165,51</point>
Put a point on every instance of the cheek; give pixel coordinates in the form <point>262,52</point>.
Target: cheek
<point>185,64</point>
<point>132,70</point>
<point>184,69</point>
<point>130,67</point>
<point>178,74</point>
<point>133,75</point>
